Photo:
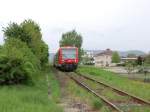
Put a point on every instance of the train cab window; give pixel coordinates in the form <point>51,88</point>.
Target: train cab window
<point>68,53</point>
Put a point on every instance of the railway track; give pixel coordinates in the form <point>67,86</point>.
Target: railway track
<point>114,107</point>
<point>136,101</point>
<point>140,100</point>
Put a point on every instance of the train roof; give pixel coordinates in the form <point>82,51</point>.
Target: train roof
<point>68,47</point>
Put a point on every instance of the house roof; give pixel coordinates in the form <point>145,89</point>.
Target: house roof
<point>105,52</point>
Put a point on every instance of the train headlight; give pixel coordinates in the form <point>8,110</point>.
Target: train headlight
<point>75,60</point>
<point>63,61</point>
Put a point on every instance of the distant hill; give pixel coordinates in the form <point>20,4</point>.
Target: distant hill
<point>136,52</point>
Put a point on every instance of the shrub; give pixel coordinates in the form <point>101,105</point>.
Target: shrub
<point>17,62</point>
<point>30,33</point>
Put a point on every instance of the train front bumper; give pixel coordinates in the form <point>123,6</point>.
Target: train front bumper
<point>69,67</point>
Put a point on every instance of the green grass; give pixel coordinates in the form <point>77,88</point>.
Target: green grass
<point>54,88</point>
<point>109,94</point>
<point>86,97</point>
<point>137,76</point>
<point>135,87</point>
<point>97,104</point>
<point>30,98</point>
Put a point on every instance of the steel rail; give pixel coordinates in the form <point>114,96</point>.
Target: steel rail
<point>96,94</point>
<point>139,100</point>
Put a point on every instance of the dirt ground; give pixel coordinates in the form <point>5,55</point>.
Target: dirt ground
<point>68,102</point>
<point>120,70</point>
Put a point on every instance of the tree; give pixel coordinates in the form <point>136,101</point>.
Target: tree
<point>38,46</point>
<point>72,38</point>
<point>139,60</point>
<point>16,31</point>
<point>115,57</point>
<point>131,55</point>
<point>30,33</point>
<point>43,53</point>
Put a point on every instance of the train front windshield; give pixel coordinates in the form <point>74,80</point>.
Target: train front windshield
<point>69,53</point>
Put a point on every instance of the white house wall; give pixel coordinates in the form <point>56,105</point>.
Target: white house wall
<point>103,60</point>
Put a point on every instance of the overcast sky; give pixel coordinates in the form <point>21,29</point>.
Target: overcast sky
<point>116,24</point>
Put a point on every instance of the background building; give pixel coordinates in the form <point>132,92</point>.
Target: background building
<point>104,58</point>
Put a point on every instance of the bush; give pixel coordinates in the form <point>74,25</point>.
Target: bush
<point>17,62</point>
<point>30,33</point>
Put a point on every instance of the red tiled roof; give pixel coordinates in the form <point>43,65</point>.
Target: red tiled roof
<point>106,52</point>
